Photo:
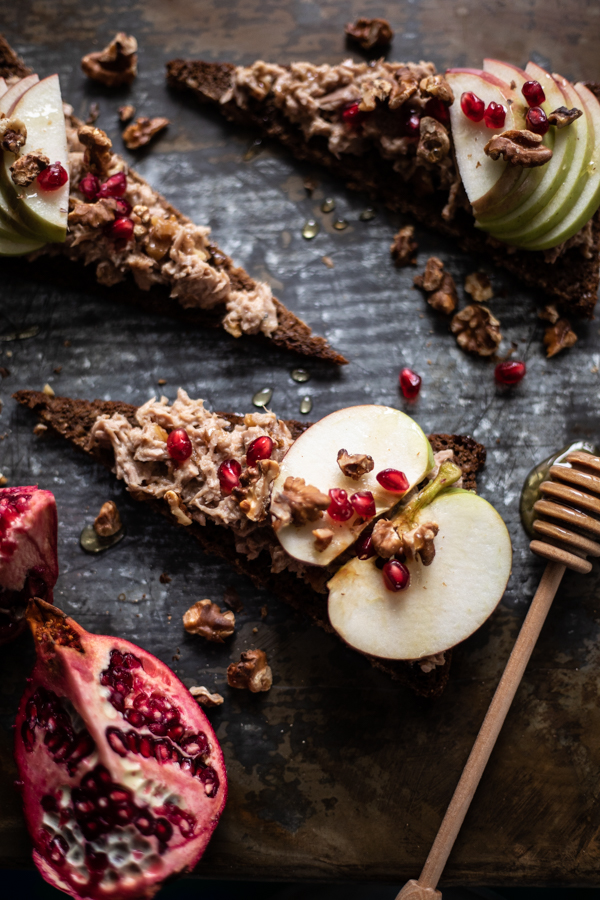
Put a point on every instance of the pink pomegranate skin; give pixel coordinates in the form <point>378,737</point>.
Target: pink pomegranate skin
<point>108,821</point>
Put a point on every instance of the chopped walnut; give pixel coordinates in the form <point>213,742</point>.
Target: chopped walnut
<point>354,465</point>
<point>370,34</point>
<point>431,279</point>
<point>13,134</point>
<point>403,248</point>
<point>559,337</point>
<point>437,86</point>
<point>206,619</point>
<point>429,663</point>
<point>476,330</point>
<point>372,91</point>
<point>26,169</point>
<point>256,488</point>
<point>298,503</point>
<point>126,113</point>
<point>108,520</point>
<point>479,286</point>
<point>39,429</point>
<point>445,299</point>
<point>323,537</point>
<point>519,148</point>
<point>420,540</point>
<point>161,236</point>
<point>549,313</point>
<point>386,539</point>
<point>116,64</point>
<point>97,156</point>
<point>434,142</point>
<point>403,90</point>
<point>563,116</point>
<point>251,672</point>
<point>178,508</point>
<point>141,132</point>
<point>95,215</point>
<point>204,697</point>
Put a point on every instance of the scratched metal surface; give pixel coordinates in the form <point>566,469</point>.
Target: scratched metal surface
<point>337,773</point>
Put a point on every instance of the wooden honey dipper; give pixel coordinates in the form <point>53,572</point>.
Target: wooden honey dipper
<point>572,492</point>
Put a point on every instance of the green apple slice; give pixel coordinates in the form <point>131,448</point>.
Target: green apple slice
<point>9,247</point>
<point>44,212</point>
<point>445,602</point>
<point>392,438</point>
<point>8,221</point>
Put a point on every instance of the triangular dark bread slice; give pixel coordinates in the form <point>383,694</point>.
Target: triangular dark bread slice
<point>572,279</point>
<point>291,332</point>
<point>73,419</point>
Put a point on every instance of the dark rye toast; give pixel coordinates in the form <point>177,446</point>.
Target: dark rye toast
<point>572,279</point>
<point>73,420</point>
<point>48,266</point>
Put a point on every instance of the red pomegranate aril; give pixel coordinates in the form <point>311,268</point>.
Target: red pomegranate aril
<point>536,120</point>
<point>364,547</point>
<point>115,186</point>
<point>472,106</point>
<point>396,576</point>
<point>411,124</point>
<point>52,177</point>
<point>494,115</point>
<point>179,446</point>
<point>123,208</point>
<point>229,475</point>
<point>260,448</point>
<point>363,504</point>
<point>533,93</point>
<point>393,480</point>
<point>89,187</point>
<point>410,384</point>
<point>511,371</point>
<point>352,116</point>
<point>120,231</point>
<point>340,508</point>
<point>437,110</point>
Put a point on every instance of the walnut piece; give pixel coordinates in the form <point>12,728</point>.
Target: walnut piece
<point>386,539</point>
<point>13,133</point>
<point>256,488</point>
<point>437,86</point>
<point>549,313</point>
<point>323,538</point>
<point>141,132</point>
<point>116,64</point>
<point>161,235</point>
<point>370,34</point>
<point>298,503</point>
<point>431,279</point>
<point>519,148</point>
<point>206,619</point>
<point>354,465</point>
<point>178,508</point>
<point>95,215</point>
<point>476,330</point>
<point>429,663</point>
<point>251,672</point>
<point>26,169</point>
<point>108,520</point>
<point>434,142</point>
<point>403,248</point>
<point>559,337</point>
<point>127,112</point>
<point>563,116</point>
<point>479,286</point>
<point>204,697</point>
<point>372,91</point>
<point>445,299</point>
<point>420,540</point>
<point>97,156</point>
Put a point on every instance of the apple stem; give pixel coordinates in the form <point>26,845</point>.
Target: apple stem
<point>448,475</point>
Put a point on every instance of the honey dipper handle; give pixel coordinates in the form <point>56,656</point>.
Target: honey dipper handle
<point>434,865</point>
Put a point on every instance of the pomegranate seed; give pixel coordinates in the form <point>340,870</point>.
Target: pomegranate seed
<point>437,110</point>
<point>352,116</point>
<point>511,371</point>
<point>494,115</point>
<point>363,504</point>
<point>393,480</point>
<point>472,106</point>
<point>340,509</point>
<point>396,576</point>
<point>115,186</point>
<point>89,187</point>
<point>536,120</point>
<point>364,547</point>
<point>229,475</point>
<point>53,177</point>
<point>533,93</point>
<point>410,384</point>
<point>179,446</point>
<point>123,208</point>
<point>120,231</point>
<point>260,448</point>
<point>410,125</point>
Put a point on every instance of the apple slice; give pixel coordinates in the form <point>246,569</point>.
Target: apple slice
<point>512,75</point>
<point>15,230</point>
<point>15,92</point>
<point>392,438</point>
<point>3,87</point>
<point>445,602</point>
<point>9,247</point>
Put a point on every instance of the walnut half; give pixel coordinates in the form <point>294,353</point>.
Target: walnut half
<point>519,148</point>
<point>251,672</point>
<point>476,330</point>
<point>479,286</point>
<point>108,520</point>
<point>404,247</point>
<point>563,116</point>
<point>559,336</point>
<point>354,465</point>
<point>434,142</point>
<point>204,697</point>
<point>206,619</point>
<point>116,64</point>
<point>298,503</point>
<point>141,132</point>
<point>420,540</point>
<point>26,169</point>
<point>97,156</point>
<point>370,34</point>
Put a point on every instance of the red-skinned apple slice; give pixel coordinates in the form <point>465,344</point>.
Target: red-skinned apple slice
<point>3,87</point>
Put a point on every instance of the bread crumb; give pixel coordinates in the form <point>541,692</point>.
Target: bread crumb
<point>48,391</point>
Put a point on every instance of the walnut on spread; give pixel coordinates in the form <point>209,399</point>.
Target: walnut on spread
<point>204,697</point>
<point>354,465</point>
<point>437,86</point>
<point>563,116</point>
<point>141,132</point>
<point>420,540</point>
<point>559,336</point>
<point>255,488</point>
<point>126,113</point>
<point>251,672</point>
<point>372,91</point>
<point>95,215</point>
<point>26,169</point>
<point>13,133</point>
<point>404,247</point>
<point>519,148</point>
<point>108,520</point>
<point>476,330</point>
<point>549,313</point>
<point>160,236</point>
<point>116,64</point>
<point>206,619</point>
<point>323,537</point>
<point>298,503</point>
<point>97,156</point>
<point>370,33</point>
<point>479,286</point>
<point>434,141</point>
<point>178,508</point>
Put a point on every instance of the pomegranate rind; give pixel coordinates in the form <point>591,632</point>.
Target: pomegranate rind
<point>70,665</point>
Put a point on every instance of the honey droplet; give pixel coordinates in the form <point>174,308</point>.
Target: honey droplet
<point>253,150</point>
<point>305,405</point>
<point>300,375</point>
<point>262,397</point>
<point>328,205</point>
<point>367,214</point>
<point>340,224</point>
<point>311,229</point>
<point>91,541</point>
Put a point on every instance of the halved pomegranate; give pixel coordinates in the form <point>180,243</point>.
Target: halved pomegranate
<point>122,777</point>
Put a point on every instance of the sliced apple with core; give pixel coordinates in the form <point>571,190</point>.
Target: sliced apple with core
<point>445,602</point>
<point>8,221</point>
<point>389,436</point>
